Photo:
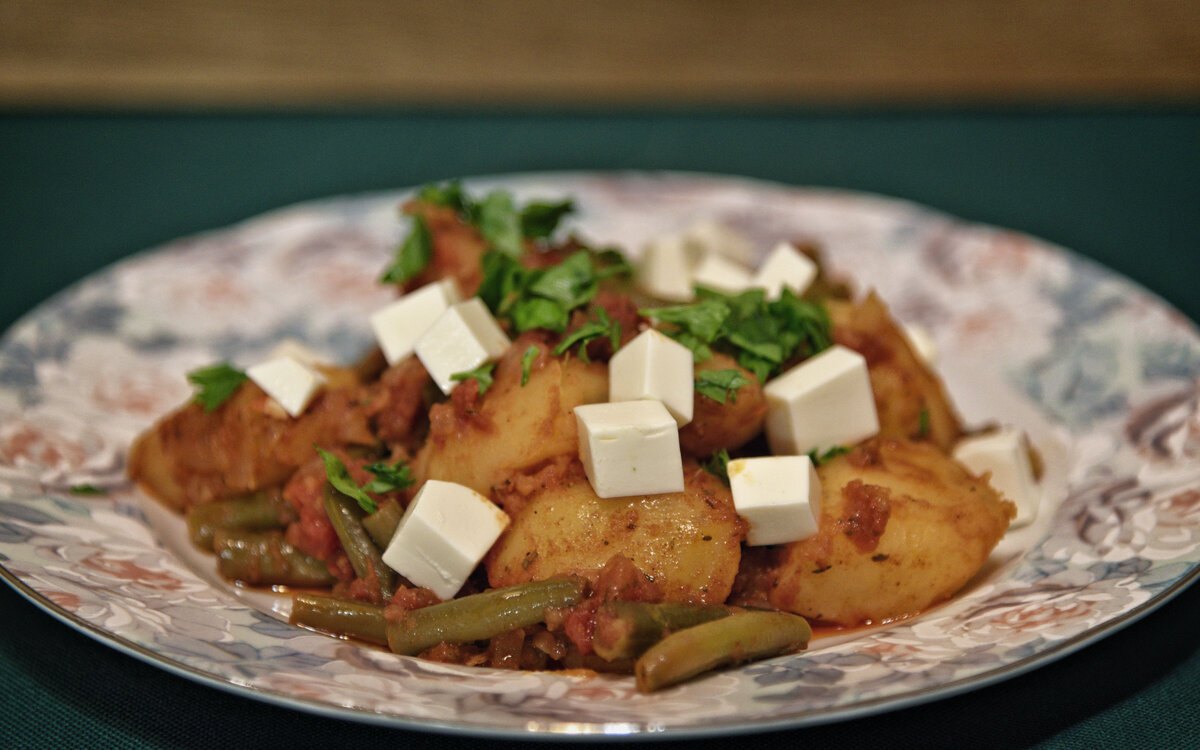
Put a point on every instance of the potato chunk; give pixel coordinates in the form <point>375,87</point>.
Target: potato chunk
<point>902,527</point>
<point>688,542</point>
<point>904,386</point>
<point>513,427</point>
<point>729,425</point>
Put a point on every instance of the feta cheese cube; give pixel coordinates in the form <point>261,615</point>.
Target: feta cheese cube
<point>290,383</point>
<point>712,237</point>
<point>653,366</point>
<point>398,325</point>
<point>1005,455</point>
<point>785,267</point>
<point>922,344</point>
<point>823,402</point>
<point>630,448</point>
<point>664,270</point>
<point>463,338</point>
<point>445,532</point>
<point>779,496</point>
<point>718,272</point>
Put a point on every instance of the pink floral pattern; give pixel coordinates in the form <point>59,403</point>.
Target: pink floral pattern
<point>1101,374</point>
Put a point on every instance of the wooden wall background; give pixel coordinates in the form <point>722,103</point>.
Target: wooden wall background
<point>238,53</point>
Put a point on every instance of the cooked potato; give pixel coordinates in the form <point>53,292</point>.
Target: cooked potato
<point>729,425</point>
<point>688,542</point>
<point>902,527</point>
<point>246,444</point>
<point>905,388</point>
<point>514,428</point>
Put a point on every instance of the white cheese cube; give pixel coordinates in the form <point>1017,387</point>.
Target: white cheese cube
<point>664,271</point>
<point>922,344</point>
<point>718,272</point>
<point>823,402</point>
<point>463,338</point>
<point>630,448</point>
<point>712,237</point>
<point>653,366</point>
<point>291,384</point>
<point>779,496</point>
<point>398,325</point>
<point>785,267</point>
<point>445,532</point>
<point>299,352</point>
<point>1005,455</point>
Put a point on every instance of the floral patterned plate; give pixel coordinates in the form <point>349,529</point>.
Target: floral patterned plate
<point>1101,374</point>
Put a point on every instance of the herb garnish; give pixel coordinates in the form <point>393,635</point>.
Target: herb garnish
<point>718,465</point>
<point>496,217</point>
<point>86,489</point>
<point>762,335</point>
<point>923,424</point>
<point>482,376</point>
<point>215,384</point>
<point>527,360</point>
<point>820,458</point>
<point>387,479</point>
<point>593,329</point>
<point>720,384</point>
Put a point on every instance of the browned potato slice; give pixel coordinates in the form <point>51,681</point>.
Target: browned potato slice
<point>904,386</point>
<point>515,427</point>
<point>903,527</point>
<point>688,542</point>
<point>729,425</point>
<point>246,444</point>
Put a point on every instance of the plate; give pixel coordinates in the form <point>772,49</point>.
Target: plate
<point>1101,374</point>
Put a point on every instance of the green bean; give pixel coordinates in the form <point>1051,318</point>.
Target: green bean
<point>346,518</point>
<point>742,636</point>
<point>266,559</point>
<point>258,512</point>
<point>626,629</point>
<point>340,616</point>
<point>381,525</point>
<point>480,616</point>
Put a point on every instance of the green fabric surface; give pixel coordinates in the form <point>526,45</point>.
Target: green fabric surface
<point>80,191</point>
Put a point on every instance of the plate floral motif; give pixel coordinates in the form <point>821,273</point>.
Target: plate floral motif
<point>1100,373</point>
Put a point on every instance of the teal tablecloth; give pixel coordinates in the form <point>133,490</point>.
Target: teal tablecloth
<point>78,192</point>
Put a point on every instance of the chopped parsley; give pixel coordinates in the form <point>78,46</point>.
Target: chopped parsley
<point>339,476</point>
<point>829,455</point>
<point>412,256</point>
<point>501,224</point>
<point>527,360</point>
<point>389,478</point>
<point>540,297</point>
<point>923,424</point>
<point>482,375</point>
<point>720,384</point>
<point>593,329</point>
<point>763,335</point>
<point>718,465</point>
<point>86,489</point>
<point>215,384</point>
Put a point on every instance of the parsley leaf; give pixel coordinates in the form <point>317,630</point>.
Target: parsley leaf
<point>829,455</point>
<point>593,329</point>
<point>389,478</point>
<point>86,489</point>
<point>527,360</point>
<point>923,424</point>
<point>571,283</point>
<point>412,256</point>
<point>703,320</point>
<point>339,476</point>
<point>481,375</point>
<point>720,384</point>
<point>539,220</point>
<point>451,196</point>
<point>215,384</point>
<point>718,465</point>
<point>539,297</point>
<point>499,223</point>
